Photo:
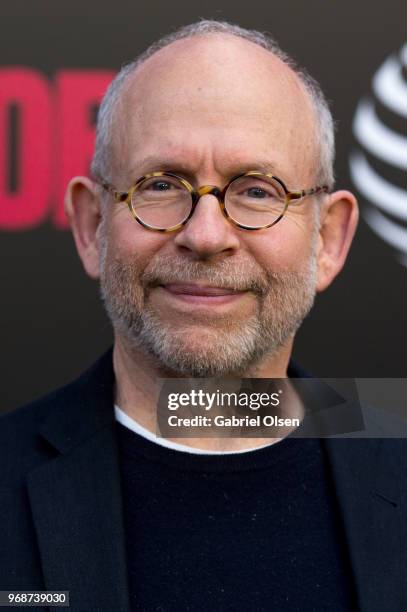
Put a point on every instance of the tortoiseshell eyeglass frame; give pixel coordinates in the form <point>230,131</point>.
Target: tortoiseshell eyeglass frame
<point>196,194</point>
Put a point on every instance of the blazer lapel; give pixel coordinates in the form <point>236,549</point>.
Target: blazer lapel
<point>76,497</point>
<point>370,488</point>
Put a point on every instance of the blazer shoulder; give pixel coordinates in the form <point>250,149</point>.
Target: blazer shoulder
<point>20,442</point>
<point>28,416</point>
<point>19,428</point>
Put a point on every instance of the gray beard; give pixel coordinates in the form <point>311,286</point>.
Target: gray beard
<point>226,349</point>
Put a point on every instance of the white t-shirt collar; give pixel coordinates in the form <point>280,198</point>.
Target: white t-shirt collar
<point>130,423</point>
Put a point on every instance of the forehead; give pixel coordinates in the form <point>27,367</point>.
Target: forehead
<point>216,102</point>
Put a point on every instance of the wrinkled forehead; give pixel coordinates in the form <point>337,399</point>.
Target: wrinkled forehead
<point>217,96</point>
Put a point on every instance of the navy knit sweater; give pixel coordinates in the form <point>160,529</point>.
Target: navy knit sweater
<point>241,532</point>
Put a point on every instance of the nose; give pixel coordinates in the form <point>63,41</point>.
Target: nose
<point>208,232</point>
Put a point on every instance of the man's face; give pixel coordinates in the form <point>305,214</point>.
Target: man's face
<point>211,299</point>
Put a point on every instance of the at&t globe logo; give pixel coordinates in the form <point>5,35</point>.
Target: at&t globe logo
<point>379,166</point>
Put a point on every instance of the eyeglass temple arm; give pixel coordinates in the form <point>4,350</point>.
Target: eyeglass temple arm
<point>297,195</point>
<point>119,196</point>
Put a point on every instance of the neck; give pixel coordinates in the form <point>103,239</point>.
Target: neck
<point>137,391</point>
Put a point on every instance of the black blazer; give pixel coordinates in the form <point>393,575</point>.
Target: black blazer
<point>61,524</point>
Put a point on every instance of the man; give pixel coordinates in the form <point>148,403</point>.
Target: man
<point>207,264</point>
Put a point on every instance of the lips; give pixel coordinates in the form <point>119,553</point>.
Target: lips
<point>199,290</point>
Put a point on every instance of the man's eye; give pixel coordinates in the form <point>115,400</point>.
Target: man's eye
<point>160,186</point>
<point>258,192</point>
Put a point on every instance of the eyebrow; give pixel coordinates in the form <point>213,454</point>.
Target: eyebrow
<point>153,163</point>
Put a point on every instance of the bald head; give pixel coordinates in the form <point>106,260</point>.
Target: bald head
<point>216,100</point>
<point>215,78</point>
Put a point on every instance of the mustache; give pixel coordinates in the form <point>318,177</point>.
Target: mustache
<point>228,274</point>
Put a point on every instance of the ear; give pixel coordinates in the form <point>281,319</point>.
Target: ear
<point>82,207</point>
<point>338,221</point>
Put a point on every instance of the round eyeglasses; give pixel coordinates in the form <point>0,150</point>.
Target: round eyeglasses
<point>164,201</point>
